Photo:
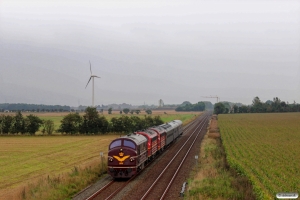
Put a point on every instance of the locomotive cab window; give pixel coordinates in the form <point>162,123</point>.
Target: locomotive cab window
<point>128,143</point>
<point>116,143</point>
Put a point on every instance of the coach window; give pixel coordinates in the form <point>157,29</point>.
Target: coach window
<point>114,144</point>
<point>130,144</point>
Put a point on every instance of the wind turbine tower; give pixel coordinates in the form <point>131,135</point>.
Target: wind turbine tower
<point>92,77</point>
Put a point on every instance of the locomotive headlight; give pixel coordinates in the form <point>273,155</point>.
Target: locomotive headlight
<point>110,159</point>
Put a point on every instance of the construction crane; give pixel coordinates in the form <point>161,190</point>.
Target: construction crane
<point>213,97</point>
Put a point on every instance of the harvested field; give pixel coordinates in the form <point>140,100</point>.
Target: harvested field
<point>24,159</point>
<point>265,148</point>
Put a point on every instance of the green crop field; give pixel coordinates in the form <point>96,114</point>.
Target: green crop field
<point>265,148</point>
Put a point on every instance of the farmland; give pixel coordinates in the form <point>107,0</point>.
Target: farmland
<point>27,159</point>
<point>23,159</point>
<point>265,148</point>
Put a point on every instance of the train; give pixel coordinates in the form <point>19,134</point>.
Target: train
<point>129,154</point>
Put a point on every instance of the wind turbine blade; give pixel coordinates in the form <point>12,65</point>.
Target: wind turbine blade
<point>97,76</point>
<point>91,67</point>
<point>88,82</point>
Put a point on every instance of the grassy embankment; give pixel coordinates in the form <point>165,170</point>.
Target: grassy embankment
<point>55,167</point>
<point>212,178</point>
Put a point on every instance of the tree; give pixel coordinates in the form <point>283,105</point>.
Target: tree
<point>71,124</point>
<point>178,109</point>
<point>243,109</point>
<point>187,106</point>
<point>137,123</point>
<point>257,105</point>
<point>235,108</point>
<point>200,106</point>
<point>6,123</point>
<point>126,110</point>
<point>208,105</point>
<point>256,101</point>
<point>120,111</point>
<point>127,124</point>
<point>219,108</point>
<point>276,105</point>
<point>226,110</point>
<point>148,122</point>
<point>157,121</point>
<point>227,107</point>
<point>102,124</point>
<point>92,123</point>
<point>1,120</point>
<point>148,111</point>
<point>109,110</point>
<point>92,120</point>
<point>33,124</point>
<point>48,127</point>
<point>137,111</point>
<point>283,106</point>
<point>116,125</point>
<point>131,112</point>
<point>18,124</point>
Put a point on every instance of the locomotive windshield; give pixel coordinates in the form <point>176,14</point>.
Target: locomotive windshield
<point>130,144</point>
<point>114,144</point>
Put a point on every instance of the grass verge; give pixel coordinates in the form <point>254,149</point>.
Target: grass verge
<point>212,178</point>
<point>63,186</point>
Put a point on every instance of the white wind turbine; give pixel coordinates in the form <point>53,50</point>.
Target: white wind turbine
<point>92,76</point>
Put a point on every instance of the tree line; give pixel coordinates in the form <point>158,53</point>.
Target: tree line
<point>92,123</point>
<point>14,107</point>
<point>127,110</point>
<point>186,106</point>
<point>73,123</point>
<point>19,124</point>
<point>258,106</point>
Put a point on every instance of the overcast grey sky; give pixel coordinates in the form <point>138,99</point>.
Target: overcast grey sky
<point>149,50</point>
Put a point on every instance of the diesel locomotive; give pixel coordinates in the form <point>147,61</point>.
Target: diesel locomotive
<point>128,155</point>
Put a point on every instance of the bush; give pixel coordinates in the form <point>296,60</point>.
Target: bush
<point>48,127</point>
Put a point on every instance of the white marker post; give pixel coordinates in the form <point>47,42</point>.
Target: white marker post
<point>101,157</point>
<point>196,158</point>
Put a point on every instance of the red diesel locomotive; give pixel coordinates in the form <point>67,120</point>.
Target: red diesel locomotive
<point>128,154</point>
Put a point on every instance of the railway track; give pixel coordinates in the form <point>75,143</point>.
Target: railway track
<point>113,189</point>
<point>163,182</point>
